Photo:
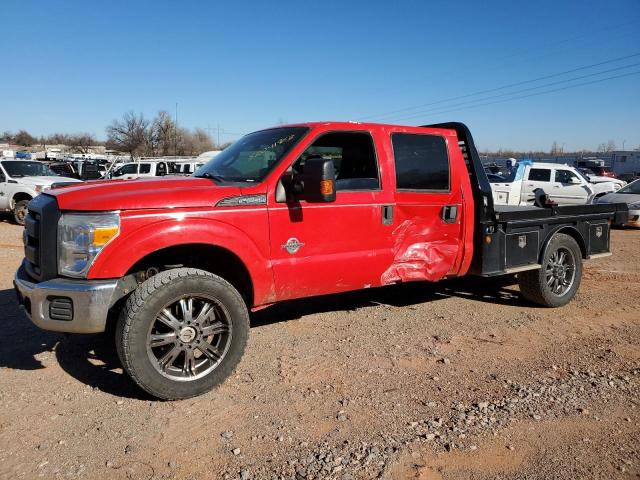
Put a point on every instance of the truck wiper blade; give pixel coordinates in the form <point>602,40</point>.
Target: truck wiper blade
<point>212,176</point>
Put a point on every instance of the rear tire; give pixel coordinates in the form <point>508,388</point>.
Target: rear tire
<point>20,211</point>
<point>557,282</point>
<point>181,333</point>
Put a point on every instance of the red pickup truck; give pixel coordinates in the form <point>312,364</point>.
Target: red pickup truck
<point>177,263</point>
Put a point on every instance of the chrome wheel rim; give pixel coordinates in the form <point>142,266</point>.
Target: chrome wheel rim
<point>21,213</point>
<point>560,271</point>
<point>189,337</point>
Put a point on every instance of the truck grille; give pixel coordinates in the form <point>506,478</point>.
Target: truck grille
<point>40,238</point>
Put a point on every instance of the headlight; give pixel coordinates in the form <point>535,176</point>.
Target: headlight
<point>40,188</point>
<point>635,205</point>
<point>81,237</point>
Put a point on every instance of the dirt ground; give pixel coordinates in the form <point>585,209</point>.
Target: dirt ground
<point>457,380</point>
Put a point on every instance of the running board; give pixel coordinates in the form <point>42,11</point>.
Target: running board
<point>524,268</point>
<point>599,255</point>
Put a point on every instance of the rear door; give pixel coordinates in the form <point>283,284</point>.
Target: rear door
<point>321,248</point>
<point>428,233</point>
<point>537,177</point>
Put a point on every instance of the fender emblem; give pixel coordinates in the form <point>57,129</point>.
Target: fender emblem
<point>292,245</point>
<point>598,232</point>
<point>522,241</point>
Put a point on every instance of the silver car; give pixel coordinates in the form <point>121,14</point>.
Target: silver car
<point>629,195</point>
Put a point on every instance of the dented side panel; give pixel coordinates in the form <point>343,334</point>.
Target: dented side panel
<point>425,248</point>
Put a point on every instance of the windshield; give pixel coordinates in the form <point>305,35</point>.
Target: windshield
<point>252,157</point>
<point>633,187</point>
<point>27,169</point>
<point>583,175</point>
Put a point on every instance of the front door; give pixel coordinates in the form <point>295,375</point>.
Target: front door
<point>320,248</point>
<point>568,188</point>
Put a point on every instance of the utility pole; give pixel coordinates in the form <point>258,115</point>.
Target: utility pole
<point>623,142</point>
<point>175,135</point>
<point>218,135</point>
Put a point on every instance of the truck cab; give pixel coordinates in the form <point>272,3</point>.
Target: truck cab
<point>175,264</point>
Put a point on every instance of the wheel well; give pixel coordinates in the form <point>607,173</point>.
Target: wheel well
<point>213,259</point>
<point>18,197</point>
<point>572,232</point>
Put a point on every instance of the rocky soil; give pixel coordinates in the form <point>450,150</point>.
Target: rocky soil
<point>458,380</point>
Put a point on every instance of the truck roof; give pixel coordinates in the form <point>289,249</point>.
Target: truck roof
<point>347,123</point>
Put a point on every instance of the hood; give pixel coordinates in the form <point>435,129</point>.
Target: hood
<point>627,198</point>
<point>45,180</point>
<point>150,193</point>
<point>600,179</point>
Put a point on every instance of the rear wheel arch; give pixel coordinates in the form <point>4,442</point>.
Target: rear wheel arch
<point>567,230</point>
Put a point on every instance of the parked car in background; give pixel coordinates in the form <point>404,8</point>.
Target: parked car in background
<point>21,181</point>
<point>563,184</point>
<point>64,169</point>
<point>597,166</point>
<point>186,168</point>
<point>142,169</point>
<point>595,178</point>
<point>629,195</point>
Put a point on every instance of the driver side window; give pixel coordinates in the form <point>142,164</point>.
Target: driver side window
<point>565,176</point>
<point>353,156</point>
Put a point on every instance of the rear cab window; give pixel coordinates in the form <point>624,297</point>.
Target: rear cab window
<point>422,162</point>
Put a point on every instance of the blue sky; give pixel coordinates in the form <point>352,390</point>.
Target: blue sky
<point>75,66</point>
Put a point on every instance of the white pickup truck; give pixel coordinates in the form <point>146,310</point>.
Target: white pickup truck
<point>563,184</point>
<point>22,180</point>
<point>142,170</point>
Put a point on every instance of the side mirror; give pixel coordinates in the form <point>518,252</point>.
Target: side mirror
<point>318,180</point>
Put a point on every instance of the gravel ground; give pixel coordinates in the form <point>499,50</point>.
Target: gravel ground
<point>457,380</point>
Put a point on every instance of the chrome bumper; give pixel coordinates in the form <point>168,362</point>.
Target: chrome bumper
<point>91,300</point>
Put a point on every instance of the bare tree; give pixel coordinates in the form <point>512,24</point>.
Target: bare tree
<point>24,138</point>
<point>129,134</point>
<point>555,149</point>
<point>81,142</point>
<point>610,146</point>
<point>163,134</point>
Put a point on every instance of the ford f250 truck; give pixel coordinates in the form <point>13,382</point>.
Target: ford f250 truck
<point>177,263</point>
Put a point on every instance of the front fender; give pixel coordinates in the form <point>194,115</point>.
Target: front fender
<point>133,244</point>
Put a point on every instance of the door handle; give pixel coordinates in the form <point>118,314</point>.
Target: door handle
<point>387,214</point>
<point>449,213</point>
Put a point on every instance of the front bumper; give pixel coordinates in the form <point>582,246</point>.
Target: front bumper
<point>90,302</point>
<point>634,218</point>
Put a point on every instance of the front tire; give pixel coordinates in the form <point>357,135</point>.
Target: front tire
<point>181,333</point>
<point>20,211</point>
<point>557,282</point>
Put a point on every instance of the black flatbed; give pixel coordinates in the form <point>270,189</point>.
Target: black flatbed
<point>511,239</point>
